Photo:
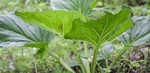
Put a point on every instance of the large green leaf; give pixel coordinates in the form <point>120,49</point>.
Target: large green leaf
<point>104,29</point>
<point>139,34</point>
<point>84,6</point>
<point>56,21</point>
<point>14,31</point>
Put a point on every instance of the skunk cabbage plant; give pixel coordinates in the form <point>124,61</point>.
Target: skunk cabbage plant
<point>70,26</point>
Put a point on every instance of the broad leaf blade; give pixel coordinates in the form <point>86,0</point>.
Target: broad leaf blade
<point>104,29</point>
<point>56,21</point>
<point>139,34</point>
<point>14,30</point>
<point>84,6</point>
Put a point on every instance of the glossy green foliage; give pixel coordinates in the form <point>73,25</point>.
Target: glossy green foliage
<point>14,30</point>
<point>139,34</point>
<point>56,21</point>
<point>103,29</point>
<point>83,6</point>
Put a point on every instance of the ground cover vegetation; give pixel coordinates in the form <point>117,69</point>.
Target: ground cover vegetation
<point>74,36</point>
